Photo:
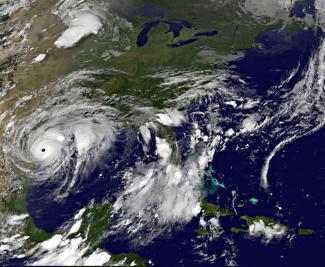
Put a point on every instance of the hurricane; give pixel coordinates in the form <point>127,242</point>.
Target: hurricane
<point>65,128</point>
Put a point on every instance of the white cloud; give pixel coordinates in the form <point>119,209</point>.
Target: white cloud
<point>39,58</point>
<point>268,232</point>
<point>163,149</point>
<point>171,117</point>
<point>61,250</point>
<point>82,25</point>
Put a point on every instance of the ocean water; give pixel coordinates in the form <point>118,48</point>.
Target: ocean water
<point>257,124</point>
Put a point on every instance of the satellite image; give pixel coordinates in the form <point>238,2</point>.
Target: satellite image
<point>162,133</point>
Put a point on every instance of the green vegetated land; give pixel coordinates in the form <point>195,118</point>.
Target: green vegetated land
<point>211,210</point>
<point>95,222</point>
<point>35,234</point>
<point>305,231</point>
<point>251,220</point>
<point>94,227</point>
<point>236,29</point>
<point>202,232</point>
<point>127,259</point>
<point>16,204</point>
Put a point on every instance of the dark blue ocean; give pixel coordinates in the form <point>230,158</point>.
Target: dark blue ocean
<point>296,174</point>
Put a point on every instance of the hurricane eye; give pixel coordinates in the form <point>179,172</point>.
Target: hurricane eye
<point>43,149</point>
